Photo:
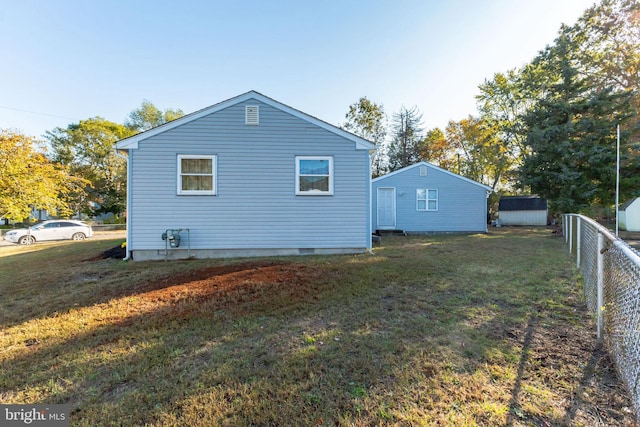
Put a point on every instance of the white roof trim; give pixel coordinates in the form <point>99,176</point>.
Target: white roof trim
<point>132,142</point>
<point>486,187</point>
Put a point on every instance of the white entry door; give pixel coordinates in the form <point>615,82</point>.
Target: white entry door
<point>386,208</point>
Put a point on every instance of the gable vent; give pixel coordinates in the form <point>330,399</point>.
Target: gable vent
<point>423,171</point>
<point>252,115</point>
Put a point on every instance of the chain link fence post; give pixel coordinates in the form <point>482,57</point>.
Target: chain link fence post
<point>600,286</point>
<point>578,242</point>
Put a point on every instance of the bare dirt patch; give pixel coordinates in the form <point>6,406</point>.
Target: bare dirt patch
<point>237,287</point>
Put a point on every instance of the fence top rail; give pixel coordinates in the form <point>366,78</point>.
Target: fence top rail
<point>618,243</point>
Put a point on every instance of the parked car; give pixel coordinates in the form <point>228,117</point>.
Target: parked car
<point>63,229</point>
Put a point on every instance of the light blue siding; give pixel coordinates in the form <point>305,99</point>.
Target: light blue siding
<point>255,206</point>
<point>462,203</point>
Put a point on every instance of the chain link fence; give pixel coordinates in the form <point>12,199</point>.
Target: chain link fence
<point>611,272</point>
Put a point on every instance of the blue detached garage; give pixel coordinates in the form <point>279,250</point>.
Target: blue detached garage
<point>424,198</point>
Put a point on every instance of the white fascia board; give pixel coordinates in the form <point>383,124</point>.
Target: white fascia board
<point>132,142</point>
<point>406,168</point>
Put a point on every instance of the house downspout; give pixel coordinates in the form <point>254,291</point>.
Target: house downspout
<point>486,225</point>
<point>127,241</point>
<point>370,248</point>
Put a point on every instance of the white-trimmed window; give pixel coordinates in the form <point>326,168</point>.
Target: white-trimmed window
<point>426,199</point>
<point>196,174</point>
<point>314,175</point>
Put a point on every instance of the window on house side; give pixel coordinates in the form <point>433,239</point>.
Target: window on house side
<point>196,175</point>
<point>426,199</point>
<point>314,176</point>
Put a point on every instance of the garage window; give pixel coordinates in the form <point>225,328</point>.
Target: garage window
<point>426,199</point>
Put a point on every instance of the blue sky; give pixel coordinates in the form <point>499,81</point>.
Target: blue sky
<point>71,60</point>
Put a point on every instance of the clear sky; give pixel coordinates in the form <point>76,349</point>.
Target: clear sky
<point>71,60</point>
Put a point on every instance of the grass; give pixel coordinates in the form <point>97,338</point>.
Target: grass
<point>433,330</point>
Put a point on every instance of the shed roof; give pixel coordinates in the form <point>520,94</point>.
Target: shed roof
<point>522,203</point>
<point>625,205</point>
<point>132,142</point>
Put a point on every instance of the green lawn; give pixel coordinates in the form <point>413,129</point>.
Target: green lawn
<point>433,330</point>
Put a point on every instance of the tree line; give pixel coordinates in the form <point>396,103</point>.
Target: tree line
<point>547,128</point>
<point>75,170</point>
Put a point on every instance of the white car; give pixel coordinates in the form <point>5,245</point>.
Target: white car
<point>63,229</point>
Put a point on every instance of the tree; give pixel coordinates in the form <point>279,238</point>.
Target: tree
<point>503,104</point>
<point>29,180</point>
<point>571,134</point>
<point>437,149</point>
<point>481,154</point>
<point>87,149</point>
<point>148,116</point>
<point>367,120</point>
<point>607,54</point>
<point>608,40</point>
<point>404,149</point>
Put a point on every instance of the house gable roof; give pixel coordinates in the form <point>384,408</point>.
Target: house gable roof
<point>399,171</point>
<point>132,142</point>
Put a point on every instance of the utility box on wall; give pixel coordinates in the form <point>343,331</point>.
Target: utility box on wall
<point>172,237</point>
<point>172,240</point>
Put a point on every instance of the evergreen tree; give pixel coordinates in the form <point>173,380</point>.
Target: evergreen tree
<point>571,133</point>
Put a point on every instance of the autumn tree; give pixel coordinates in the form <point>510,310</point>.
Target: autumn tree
<point>367,120</point>
<point>406,138</point>
<point>148,116</point>
<point>438,150</point>
<point>481,154</point>
<point>28,179</point>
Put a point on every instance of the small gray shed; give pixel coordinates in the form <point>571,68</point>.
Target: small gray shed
<point>629,215</point>
<point>522,210</point>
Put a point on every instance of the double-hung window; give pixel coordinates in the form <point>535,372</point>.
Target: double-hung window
<point>196,174</point>
<point>314,175</point>
<point>426,199</point>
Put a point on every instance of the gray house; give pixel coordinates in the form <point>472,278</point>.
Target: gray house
<point>248,176</point>
<point>424,198</point>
